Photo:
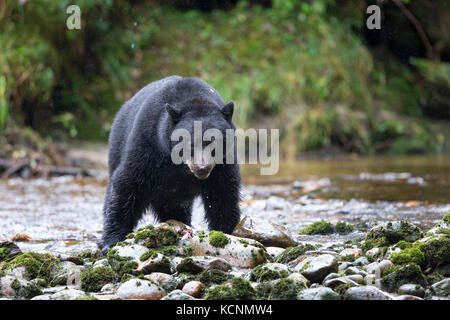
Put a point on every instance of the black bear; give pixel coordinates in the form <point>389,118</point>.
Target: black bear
<point>142,174</point>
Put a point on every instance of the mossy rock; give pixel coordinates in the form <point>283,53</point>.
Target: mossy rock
<point>209,277</point>
<point>37,265</point>
<point>436,250</point>
<point>8,250</point>
<point>281,289</point>
<point>269,271</point>
<point>237,289</point>
<point>292,253</point>
<point>25,289</point>
<point>396,276</point>
<point>389,233</point>
<point>93,279</point>
<point>319,227</point>
<point>152,237</point>
<point>408,255</point>
<point>344,228</point>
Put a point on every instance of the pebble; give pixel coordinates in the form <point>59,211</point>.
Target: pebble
<point>140,289</point>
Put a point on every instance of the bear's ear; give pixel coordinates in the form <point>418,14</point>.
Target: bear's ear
<point>173,113</point>
<point>228,109</point>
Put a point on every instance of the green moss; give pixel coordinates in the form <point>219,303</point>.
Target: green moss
<point>37,265</point>
<point>128,267</point>
<point>218,239</point>
<point>319,227</point>
<point>446,218</point>
<point>93,279</point>
<point>201,235</point>
<point>344,228</point>
<point>213,276</point>
<point>169,251</point>
<point>292,253</point>
<point>434,277</point>
<point>402,244</point>
<point>4,253</point>
<point>88,255</point>
<point>374,243</point>
<point>130,236</point>
<point>150,253</point>
<point>25,289</point>
<point>349,258</point>
<point>87,297</point>
<point>436,251</point>
<point>282,289</point>
<point>263,273</point>
<point>240,290</point>
<point>187,265</point>
<point>152,238</point>
<point>396,276</point>
<point>408,255</point>
<point>189,251</point>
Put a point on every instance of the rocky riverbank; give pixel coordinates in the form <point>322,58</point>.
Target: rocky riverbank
<point>170,261</point>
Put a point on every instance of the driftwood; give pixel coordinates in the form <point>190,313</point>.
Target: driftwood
<point>9,168</point>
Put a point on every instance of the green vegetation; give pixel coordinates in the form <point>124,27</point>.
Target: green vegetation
<point>408,255</point>
<point>396,276</point>
<point>218,239</point>
<point>240,290</point>
<point>292,253</point>
<point>282,289</point>
<point>93,279</point>
<point>324,227</point>
<point>209,277</point>
<point>265,273</point>
<point>319,227</point>
<point>37,265</point>
<point>328,89</point>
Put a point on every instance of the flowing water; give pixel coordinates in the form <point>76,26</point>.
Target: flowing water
<point>67,210</point>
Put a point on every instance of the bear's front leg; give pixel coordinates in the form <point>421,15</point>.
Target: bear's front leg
<point>125,204</point>
<point>221,196</point>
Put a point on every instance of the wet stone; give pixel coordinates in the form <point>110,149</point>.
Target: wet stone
<point>316,269</point>
<point>193,288</point>
<point>140,289</point>
<point>442,288</point>
<point>412,289</point>
<point>320,293</point>
<point>366,293</point>
<point>267,233</point>
<point>199,264</point>
<point>178,295</point>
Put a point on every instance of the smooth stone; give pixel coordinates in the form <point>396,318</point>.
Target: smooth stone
<point>395,230</point>
<point>160,263</point>
<point>332,276</point>
<point>355,277</point>
<point>373,252</point>
<point>140,289</point>
<point>298,277</point>
<point>178,295</point>
<point>347,252</point>
<point>239,252</point>
<point>193,288</point>
<point>316,269</point>
<point>442,288</point>
<point>333,283</point>
<point>164,280</point>
<point>320,293</point>
<point>355,270</point>
<point>108,288</point>
<point>345,265</point>
<point>412,289</point>
<point>265,232</point>
<point>366,293</point>
<point>361,261</point>
<point>199,264</point>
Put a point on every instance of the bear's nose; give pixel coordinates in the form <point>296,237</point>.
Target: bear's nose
<point>202,171</point>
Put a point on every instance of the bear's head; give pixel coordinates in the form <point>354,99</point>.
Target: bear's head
<point>202,134</point>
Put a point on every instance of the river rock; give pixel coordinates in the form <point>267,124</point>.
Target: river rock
<point>267,233</point>
<point>412,289</point>
<point>164,280</point>
<point>442,288</point>
<point>355,277</point>
<point>366,293</point>
<point>269,271</point>
<point>239,252</point>
<point>361,261</point>
<point>178,295</point>
<point>159,263</point>
<point>8,250</point>
<point>320,293</point>
<point>17,287</point>
<point>394,231</point>
<point>316,269</point>
<point>137,289</point>
<point>66,273</point>
<point>410,273</point>
<point>349,252</point>
<point>193,288</point>
<point>118,255</point>
<point>199,264</point>
<point>354,270</point>
<point>298,277</point>
<point>333,283</point>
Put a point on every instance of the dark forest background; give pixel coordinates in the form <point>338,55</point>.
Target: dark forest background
<point>310,68</point>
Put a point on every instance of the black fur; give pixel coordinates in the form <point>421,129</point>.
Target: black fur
<point>141,172</point>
